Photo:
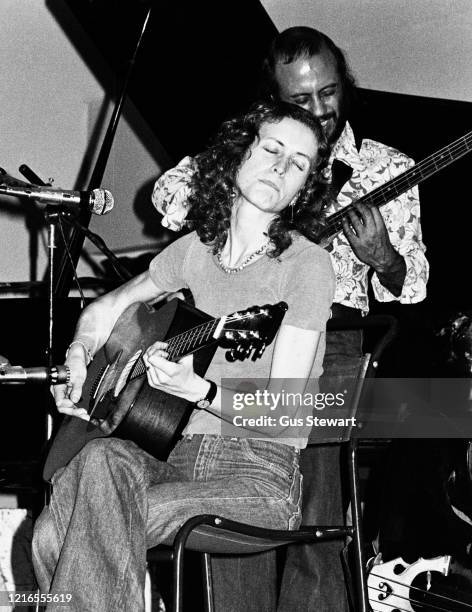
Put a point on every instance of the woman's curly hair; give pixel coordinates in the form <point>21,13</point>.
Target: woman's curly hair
<point>214,183</point>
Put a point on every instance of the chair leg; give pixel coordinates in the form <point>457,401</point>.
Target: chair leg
<point>177,604</point>
<point>208,583</point>
<point>362,594</point>
<point>147,592</point>
<point>178,557</point>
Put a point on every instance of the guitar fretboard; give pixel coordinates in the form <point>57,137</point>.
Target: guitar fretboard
<point>191,340</point>
<point>183,344</point>
<point>403,182</point>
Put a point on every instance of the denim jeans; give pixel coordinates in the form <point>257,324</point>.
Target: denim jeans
<point>313,577</point>
<point>113,501</point>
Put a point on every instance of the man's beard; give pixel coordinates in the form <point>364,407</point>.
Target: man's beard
<point>335,128</point>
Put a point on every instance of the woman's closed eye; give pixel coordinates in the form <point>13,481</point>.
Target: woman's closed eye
<point>300,163</point>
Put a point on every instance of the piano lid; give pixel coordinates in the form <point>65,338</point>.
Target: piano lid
<point>199,61</point>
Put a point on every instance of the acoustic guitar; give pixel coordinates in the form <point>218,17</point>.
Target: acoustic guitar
<point>116,394</point>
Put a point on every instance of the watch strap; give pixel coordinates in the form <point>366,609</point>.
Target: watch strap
<point>206,401</point>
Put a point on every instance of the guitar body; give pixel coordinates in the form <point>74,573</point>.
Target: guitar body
<point>150,417</point>
<point>116,393</point>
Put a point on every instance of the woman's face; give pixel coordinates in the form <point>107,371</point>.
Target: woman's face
<point>277,164</point>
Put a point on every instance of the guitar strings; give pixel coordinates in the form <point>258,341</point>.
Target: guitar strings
<point>196,334</point>
<point>427,167</point>
<point>213,323</point>
<point>417,169</point>
<point>396,608</point>
<point>424,165</point>
<point>418,604</point>
<point>177,343</point>
<point>193,335</point>
<point>419,590</point>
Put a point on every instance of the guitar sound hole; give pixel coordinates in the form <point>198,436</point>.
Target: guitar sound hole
<point>126,373</point>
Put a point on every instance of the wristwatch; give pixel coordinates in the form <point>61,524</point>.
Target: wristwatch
<point>206,401</point>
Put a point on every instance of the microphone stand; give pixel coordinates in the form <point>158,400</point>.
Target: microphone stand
<point>60,284</point>
<point>53,374</point>
<point>51,215</point>
<point>64,272</point>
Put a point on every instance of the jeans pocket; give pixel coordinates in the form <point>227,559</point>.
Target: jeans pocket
<point>275,458</point>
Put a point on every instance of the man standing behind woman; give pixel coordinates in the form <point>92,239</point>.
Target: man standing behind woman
<point>305,67</point>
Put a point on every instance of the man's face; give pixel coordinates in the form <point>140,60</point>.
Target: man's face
<point>313,83</point>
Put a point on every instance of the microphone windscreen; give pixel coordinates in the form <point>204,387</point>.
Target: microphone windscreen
<point>101,201</point>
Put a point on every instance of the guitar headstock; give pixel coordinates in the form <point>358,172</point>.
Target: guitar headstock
<point>251,330</point>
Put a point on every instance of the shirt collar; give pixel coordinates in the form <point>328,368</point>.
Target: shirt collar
<point>346,150</point>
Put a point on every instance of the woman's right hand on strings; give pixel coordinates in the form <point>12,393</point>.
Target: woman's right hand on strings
<point>67,396</point>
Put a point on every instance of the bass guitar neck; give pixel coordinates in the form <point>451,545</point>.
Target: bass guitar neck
<point>400,184</point>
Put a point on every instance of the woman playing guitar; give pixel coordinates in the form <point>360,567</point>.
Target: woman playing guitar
<point>254,222</point>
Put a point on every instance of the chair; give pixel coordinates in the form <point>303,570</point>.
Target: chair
<point>211,534</point>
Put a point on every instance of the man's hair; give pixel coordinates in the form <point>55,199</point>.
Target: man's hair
<point>214,185</point>
<point>301,41</point>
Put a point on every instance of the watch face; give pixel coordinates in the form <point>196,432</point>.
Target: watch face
<point>203,403</point>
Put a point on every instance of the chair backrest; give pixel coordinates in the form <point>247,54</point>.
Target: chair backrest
<point>385,328</point>
<point>346,375</point>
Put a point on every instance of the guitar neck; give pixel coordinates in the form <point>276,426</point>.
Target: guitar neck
<point>403,182</point>
<point>191,340</point>
<point>183,344</point>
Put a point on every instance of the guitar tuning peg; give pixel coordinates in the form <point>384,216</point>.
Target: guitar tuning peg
<point>239,352</point>
<point>242,352</point>
<point>259,352</point>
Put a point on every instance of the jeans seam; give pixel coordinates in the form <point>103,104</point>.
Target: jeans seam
<point>297,514</point>
<point>265,463</point>
<point>140,480</point>
<point>295,482</point>
<point>199,464</point>
<point>214,449</point>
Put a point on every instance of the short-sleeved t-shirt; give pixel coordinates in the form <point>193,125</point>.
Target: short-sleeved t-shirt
<point>302,276</point>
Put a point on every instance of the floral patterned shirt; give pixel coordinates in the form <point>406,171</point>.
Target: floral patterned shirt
<point>373,165</point>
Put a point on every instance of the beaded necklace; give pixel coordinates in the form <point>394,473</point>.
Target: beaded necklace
<point>246,262</point>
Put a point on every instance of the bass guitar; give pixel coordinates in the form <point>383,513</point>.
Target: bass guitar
<point>116,394</point>
<point>398,185</point>
<point>427,585</point>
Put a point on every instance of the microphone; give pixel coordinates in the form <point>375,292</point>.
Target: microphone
<point>53,375</point>
<point>97,201</point>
